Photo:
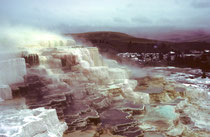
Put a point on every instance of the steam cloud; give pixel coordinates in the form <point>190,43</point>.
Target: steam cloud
<point>14,36</point>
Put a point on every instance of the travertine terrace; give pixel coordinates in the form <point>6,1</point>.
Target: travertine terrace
<point>63,80</point>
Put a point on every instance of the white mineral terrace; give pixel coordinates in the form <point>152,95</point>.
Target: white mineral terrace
<point>101,89</point>
<point>23,122</point>
<point>86,65</point>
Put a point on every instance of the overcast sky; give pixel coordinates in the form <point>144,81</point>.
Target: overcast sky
<point>110,15</point>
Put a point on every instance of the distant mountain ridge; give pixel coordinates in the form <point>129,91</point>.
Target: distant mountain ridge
<point>120,42</point>
<point>198,38</point>
<point>107,35</point>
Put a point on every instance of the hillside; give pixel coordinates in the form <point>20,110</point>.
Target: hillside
<point>189,38</point>
<point>121,42</point>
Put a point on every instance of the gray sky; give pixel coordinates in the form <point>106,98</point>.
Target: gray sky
<point>131,16</point>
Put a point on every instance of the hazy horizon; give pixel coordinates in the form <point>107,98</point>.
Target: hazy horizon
<point>137,17</point>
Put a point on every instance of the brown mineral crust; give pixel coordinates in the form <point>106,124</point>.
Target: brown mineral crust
<point>91,132</point>
<point>134,109</point>
<point>159,90</point>
<point>153,134</point>
<point>119,123</point>
<point>160,124</point>
<point>38,95</point>
<point>114,117</point>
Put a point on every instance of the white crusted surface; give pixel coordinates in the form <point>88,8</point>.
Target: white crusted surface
<point>38,122</point>
<point>5,92</point>
<point>12,71</point>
